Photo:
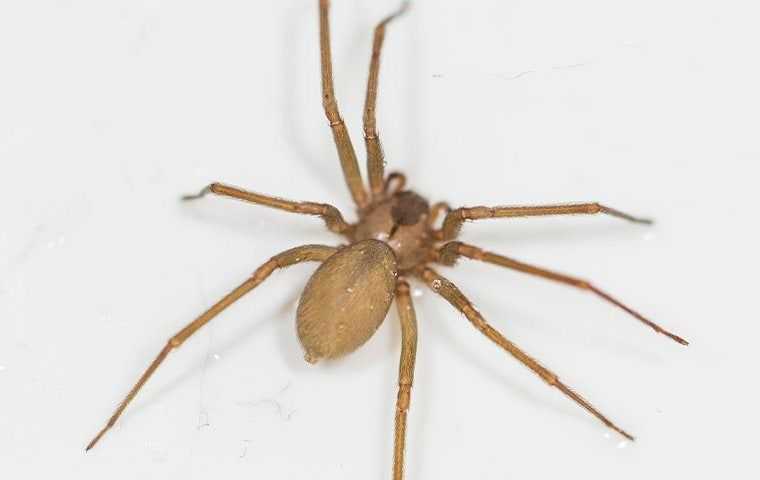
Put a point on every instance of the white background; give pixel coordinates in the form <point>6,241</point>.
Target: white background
<point>110,110</point>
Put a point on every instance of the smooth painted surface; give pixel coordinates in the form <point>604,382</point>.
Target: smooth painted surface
<point>111,110</point>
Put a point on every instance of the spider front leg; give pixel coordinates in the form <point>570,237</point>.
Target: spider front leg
<point>456,298</point>
<point>317,253</point>
<point>329,214</point>
<point>375,163</point>
<point>405,373</point>
<point>449,253</point>
<point>455,218</point>
<point>340,134</point>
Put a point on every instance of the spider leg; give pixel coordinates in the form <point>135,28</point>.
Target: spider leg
<point>456,298</point>
<point>405,373</point>
<point>453,221</point>
<point>394,183</point>
<point>450,252</point>
<point>340,134</point>
<point>304,253</point>
<point>329,214</point>
<point>435,212</point>
<point>375,164</point>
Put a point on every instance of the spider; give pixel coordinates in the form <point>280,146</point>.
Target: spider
<point>395,239</point>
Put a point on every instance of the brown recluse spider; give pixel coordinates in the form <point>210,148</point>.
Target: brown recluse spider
<point>395,238</point>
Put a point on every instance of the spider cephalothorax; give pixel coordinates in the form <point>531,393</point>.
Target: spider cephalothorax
<point>403,222</point>
<point>394,240</point>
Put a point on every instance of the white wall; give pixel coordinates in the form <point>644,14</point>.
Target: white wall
<point>111,110</point>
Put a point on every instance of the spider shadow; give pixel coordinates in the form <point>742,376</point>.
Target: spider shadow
<point>256,221</point>
<point>237,339</point>
<point>549,233</point>
<point>599,336</point>
<point>324,171</point>
<point>456,346</point>
<point>281,319</point>
<point>604,233</point>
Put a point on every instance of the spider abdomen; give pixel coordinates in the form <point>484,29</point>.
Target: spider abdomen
<point>346,300</point>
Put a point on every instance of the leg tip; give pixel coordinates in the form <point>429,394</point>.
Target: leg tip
<point>94,440</point>
<point>678,339</point>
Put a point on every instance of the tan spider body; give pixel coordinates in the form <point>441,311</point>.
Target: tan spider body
<point>350,293</point>
<point>346,300</point>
